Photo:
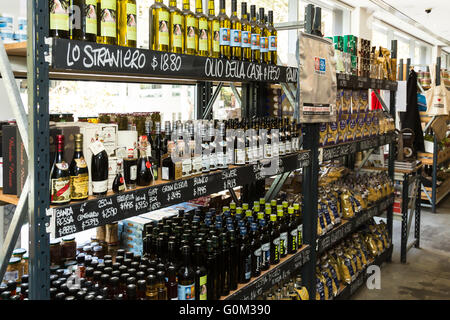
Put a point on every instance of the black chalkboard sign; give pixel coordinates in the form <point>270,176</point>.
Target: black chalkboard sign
<point>109,59</point>
<point>77,217</point>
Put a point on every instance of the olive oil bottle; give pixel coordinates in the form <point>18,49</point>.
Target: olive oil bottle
<point>264,48</point>
<point>214,31</point>
<point>107,21</point>
<point>246,51</point>
<point>159,26</point>
<point>272,40</point>
<point>256,36</point>
<point>176,28</point>
<point>84,26</point>
<point>225,25</point>
<point>190,30</point>
<point>203,34</point>
<point>59,19</point>
<point>235,42</point>
<point>127,23</point>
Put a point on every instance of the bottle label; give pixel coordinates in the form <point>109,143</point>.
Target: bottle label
<point>276,243</point>
<point>131,22</point>
<point>177,31</point>
<point>59,15</point>
<point>245,35</point>
<point>255,41</point>
<point>265,254</point>
<point>186,166</point>
<point>264,47</point>
<point>224,36</point>
<point>108,18</point>
<point>240,156</point>
<point>216,36</point>
<point>11,275</point>
<point>294,240</point>
<point>275,149</point>
<point>81,163</point>
<point>197,164</point>
<point>91,17</point>
<point>133,172</point>
<point>97,147</point>
<point>288,146</point>
<point>203,35</point>
<point>62,165</point>
<point>163,32</point>
<point>203,287</point>
<point>282,148</point>
<point>99,186</point>
<point>221,159</point>
<point>235,38</point>
<point>283,242</point>
<point>80,184</point>
<point>258,258</point>
<point>205,163</point>
<point>273,43</point>
<point>248,267</point>
<point>299,235</point>
<point>186,292</point>
<point>230,157</point>
<point>60,190</point>
<point>165,173</point>
<point>267,151</point>
<point>190,32</point>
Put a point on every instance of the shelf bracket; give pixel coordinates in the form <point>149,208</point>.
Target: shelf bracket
<point>14,228</point>
<point>429,123</point>
<point>236,94</point>
<point>13,94</point>
<point>276,186</point>
<point>213,99</point>
<point>383,104</point>
<point>289,95</point>
<point>366,157</point>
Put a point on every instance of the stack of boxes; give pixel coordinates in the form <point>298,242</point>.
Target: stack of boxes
<point>363,55</point>
<point>352,55</point>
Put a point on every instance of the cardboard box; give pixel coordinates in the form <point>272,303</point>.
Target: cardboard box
<point>9,141</point>
<point>22,164</point>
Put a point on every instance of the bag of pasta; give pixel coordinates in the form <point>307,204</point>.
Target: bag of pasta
<point>331,285</point>
<point>321,227</point>
<point>371,245</point>
<point>321,287</point>
<point>346,205</point>
<point>345,267</point>
<point>332,269</point>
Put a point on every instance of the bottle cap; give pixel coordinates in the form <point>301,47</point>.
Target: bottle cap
<point>273,217</point>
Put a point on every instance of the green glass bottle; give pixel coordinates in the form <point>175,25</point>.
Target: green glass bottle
<point>214,31</point>
<point>159,26</point>
<point>235,41</point>
<point>225,26</point>
<point>190,30</point>
<point>176,40</point>
<point>246,50</point>
<point>203,34</point>
<point>272,40</point>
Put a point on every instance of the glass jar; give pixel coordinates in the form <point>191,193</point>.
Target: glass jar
<point>25,264</point>
<point>13,271</point>
<point>99,253</point>
<point>18,253</point>
<point>55,252</point>
<point>68,248</point>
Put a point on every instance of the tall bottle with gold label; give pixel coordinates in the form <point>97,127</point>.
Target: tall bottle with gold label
<point>255,37</point>
<point>127,23</point>
<point>176,28</point>
<point>264,47</point>
<point>225,28</point>
<point>235,41</point>
<point>159,26</point>
<point>79,174</point>
<point>107,21</point>
<point>203,34</point>
<point>245,34</point>
<point>190,30</point>
<point>214,31</point>
<point>272,35</point>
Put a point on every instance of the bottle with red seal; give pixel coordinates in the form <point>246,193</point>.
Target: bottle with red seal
<point>60,176</point>
<point>144,165</point>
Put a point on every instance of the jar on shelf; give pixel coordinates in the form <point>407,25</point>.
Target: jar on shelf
<point>55,252</point>
<point>101,233</point>
<point>112,233</point>
<point>99,253</point>
<point>18,253</point>
<point>25,264</point>
<point>13,271</point>
<point>68,248</point>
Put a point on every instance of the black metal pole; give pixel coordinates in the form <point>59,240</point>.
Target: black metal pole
<point>434,175</point>
<point>418,209</point>
<point>404,232</point>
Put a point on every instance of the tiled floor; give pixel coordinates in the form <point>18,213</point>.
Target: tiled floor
<point>426,275</point>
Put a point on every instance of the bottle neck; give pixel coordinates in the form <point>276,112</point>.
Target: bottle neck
<point>173,3</point>
<point>211,7</point>
<point>198,6</point>
<point>186,5</point>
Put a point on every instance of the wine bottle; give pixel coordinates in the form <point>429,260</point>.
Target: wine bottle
<point>201,276</point>
<point>245,258</point>
<point>235,42</point>
<point>293,232</point>
<point>211,271</point>
<point>204,36</point>
<point>234,255</point>
<point>127,23</point>
<point>222,148</point>
<point>205,149</point>
<point>274,240</point>
<point>214,31</point>
<point>60,175</point>
<point>264,45</point>
<point>226,277</point>
<point>213,147</point>
<point>255,249</point>
<point>186,276</point>
<point>79,174</point>
<point>159,26</point>
<point>225,29</point>
<point>156,144</point>
<point>246,50</point>
<point>59,19</point>
<point>282,143</point>
<point>176,28</point>
<point>99,168</point>
<point>84,26</point>
<point>144,167</point>
<point>168,167</point>
<point>272,34</point>
<point>130,169</point>
<point>196,156</point>
<point>255,37</point>
<point>265,245</point>
<point>119,181</point>
<point>107,21</point>
<point>190,30</point>
<point>284,230</point>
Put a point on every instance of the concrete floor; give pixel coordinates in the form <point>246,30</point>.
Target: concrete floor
<point>426,275</point>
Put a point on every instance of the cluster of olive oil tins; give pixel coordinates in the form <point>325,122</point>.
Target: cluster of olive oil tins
<point>249,38</point>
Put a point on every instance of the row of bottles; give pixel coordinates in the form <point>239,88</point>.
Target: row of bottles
<point>249,38</point>
<point>183,31</point>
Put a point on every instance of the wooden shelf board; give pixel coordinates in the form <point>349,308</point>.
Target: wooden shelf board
<point>16,49</point>
<point>8,198</point>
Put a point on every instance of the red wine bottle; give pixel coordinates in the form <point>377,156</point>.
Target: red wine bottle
<point>60,175</point>
<point>99,168</point>
<point>119,181</point>
<point>144,167</point>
